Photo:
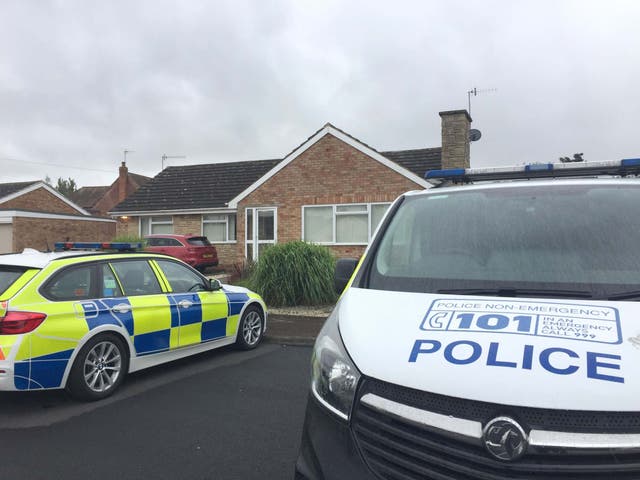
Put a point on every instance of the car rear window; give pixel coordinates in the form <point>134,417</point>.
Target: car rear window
<point>581,237</point>
<point>8,275</point>
<point>162,242</point>
<point>199,241</point>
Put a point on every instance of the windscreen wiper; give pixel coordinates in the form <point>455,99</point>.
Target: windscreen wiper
<point>630,295</point>
<point>520,292</point>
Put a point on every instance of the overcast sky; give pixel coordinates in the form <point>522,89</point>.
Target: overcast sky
<point>81,81</point>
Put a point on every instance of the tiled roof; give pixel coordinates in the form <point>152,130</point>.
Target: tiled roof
<point>10,188</point>
<point>214,185</point>
<point>195,186</point>
<point>87,197</point>
<point>418,161</point>
<point>139,179</point>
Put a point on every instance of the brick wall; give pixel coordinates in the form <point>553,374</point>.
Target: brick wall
<point>329,172</point>
<point>42,233</point>
<point>187,224</point>
<point>112,197</point>
<point>128,227</point>
<point>39,200</point>
<point>228,257</point>
<point>455,139</point>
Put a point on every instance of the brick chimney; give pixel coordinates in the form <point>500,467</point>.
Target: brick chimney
<point>122,182</point>
<point>455,138</point>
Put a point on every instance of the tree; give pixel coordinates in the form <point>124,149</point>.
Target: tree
<point>66,187</point>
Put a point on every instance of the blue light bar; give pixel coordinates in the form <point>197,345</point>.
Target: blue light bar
<point>538,167</point>
<point>615,168</point>
<point>119,246</point>
<point>630,162</point>
<point>453,172</point>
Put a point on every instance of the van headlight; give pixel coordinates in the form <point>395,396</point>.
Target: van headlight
<point>334,377</point>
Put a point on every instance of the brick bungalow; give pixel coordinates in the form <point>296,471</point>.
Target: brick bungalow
<point>332,189</point>
<point>35,215</point>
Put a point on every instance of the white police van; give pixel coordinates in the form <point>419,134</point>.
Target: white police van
<point>490,331</point>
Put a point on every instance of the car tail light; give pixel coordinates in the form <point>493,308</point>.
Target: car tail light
<point>14,323</point>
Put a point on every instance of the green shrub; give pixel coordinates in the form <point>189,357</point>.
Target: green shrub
<point>295,273</point>
<point>130,239</point>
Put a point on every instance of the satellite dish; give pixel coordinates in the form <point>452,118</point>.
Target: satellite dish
<point>474,135</point>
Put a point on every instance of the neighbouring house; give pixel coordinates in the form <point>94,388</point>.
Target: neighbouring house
<point>332,189</point>
<point>100,200</point>
<point>35,215</point>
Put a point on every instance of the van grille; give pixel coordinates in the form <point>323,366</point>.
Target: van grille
<point>397,449</point>
<point>530,418</point>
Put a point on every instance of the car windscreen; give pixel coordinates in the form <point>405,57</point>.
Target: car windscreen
<point>572,240</point>
<point>8,275</point>
<point>199,241</point>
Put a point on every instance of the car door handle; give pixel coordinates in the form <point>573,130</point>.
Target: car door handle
<point>121,308</point>
<point>185,303</point>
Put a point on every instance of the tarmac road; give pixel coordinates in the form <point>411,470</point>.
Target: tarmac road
<point>220,415</point>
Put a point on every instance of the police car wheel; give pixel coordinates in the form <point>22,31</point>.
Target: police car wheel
<point>250,329</point>
<point>99,368</point>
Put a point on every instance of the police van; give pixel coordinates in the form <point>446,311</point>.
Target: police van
<point>490,331</point>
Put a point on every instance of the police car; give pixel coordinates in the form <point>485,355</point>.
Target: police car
<point>82,320</point>
<point>490,331</point>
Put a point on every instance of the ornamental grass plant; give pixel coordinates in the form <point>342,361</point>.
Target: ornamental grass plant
<point>295,273</point>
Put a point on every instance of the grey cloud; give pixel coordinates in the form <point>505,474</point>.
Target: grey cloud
<point>238,80</point>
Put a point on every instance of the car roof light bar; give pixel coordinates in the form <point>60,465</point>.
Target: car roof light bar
<point>119,246</point>
<point>618,168</point>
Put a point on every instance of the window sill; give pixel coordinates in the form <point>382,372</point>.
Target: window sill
<point>331,244</point>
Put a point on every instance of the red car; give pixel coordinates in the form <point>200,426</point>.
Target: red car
<point>197,251</point>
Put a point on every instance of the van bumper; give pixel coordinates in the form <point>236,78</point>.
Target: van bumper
<point>327,449</point>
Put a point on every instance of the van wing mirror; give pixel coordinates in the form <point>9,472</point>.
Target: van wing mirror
<point>344,270</point>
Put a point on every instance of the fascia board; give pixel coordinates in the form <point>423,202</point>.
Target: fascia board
<point>49,189</point>
<point>196,211</point>
<point>53,216</point>
<point>328,129</point>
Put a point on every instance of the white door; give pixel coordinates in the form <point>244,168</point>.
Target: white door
<point>261,227</point>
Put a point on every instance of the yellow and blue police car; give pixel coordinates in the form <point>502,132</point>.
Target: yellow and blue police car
<point>82,320</point>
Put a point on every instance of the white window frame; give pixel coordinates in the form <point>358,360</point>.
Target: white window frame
<point>225,222</point>
<point>254,241</point>
<point>152,223</point>
<point>335,214</point>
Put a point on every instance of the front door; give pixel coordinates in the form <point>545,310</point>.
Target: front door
<point>261,226</point>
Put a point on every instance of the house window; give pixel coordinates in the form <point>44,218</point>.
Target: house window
<point>352,223</point>
<point>150,225</point>
<point>219,228</point>
<point>342,224</point>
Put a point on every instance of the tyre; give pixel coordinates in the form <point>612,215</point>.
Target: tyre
<point>99,368</point>
<point>250,328</point>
